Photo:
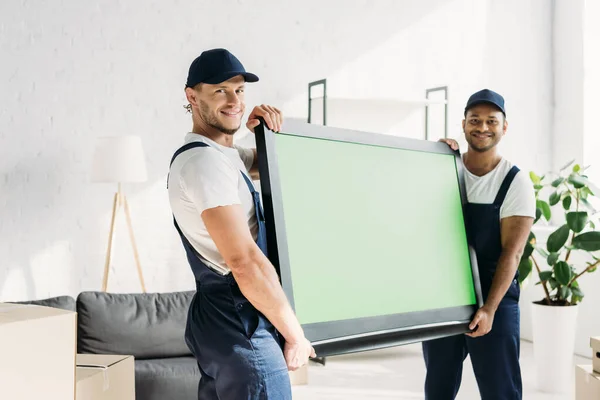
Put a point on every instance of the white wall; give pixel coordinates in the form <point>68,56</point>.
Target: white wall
<point>467,46</point>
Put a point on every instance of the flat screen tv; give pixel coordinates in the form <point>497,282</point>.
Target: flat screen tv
<point>368,236</point>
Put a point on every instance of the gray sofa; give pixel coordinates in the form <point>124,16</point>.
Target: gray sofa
<point>149,326</point>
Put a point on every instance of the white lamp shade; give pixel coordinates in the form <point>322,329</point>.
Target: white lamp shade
<point>119,159</point>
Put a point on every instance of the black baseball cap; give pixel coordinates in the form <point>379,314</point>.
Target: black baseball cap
<point>486,96</point>
<point>216,66</point>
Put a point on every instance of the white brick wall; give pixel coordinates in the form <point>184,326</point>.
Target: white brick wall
<point>74,70</point>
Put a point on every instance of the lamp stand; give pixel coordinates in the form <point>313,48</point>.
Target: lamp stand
<point>120,200</point>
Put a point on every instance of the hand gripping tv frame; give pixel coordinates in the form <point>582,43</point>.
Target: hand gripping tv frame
<point>368,236</point>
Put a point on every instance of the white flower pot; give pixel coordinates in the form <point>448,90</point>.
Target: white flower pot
<point>554,346</point>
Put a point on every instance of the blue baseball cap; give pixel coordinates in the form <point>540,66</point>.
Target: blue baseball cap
<point>486,96</point>
<point>216,66</point>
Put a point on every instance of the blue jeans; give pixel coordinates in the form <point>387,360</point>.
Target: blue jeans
<point>238,350</point>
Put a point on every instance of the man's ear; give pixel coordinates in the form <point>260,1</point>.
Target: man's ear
<point>192,96</point>
<point>505,127</point>
<point>464,121</point>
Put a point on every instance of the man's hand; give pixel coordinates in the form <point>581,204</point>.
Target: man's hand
<point>297,354</point>
<point>272,116</point>
<point>483,320</point>
<point>450,142</point>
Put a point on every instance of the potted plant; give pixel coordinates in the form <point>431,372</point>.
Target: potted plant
<point>567,255</point>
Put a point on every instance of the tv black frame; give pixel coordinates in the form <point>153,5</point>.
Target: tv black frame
<point>361,334</point>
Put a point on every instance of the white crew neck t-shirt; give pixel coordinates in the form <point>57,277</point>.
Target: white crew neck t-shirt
<point>519,200</point>
<point>207,177</point>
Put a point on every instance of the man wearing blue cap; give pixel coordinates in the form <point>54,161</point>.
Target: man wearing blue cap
<point>241,328</point>
<point>499,215</point>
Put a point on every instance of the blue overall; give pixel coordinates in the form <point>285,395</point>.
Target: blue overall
<point>239,352</point>
<point>495,356</point>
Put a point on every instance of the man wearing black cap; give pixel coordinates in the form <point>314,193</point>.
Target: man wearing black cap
<point>241,328</point>
<point>499,214</point>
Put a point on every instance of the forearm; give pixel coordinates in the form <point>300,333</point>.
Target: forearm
<point>503,277</point>
<point>259,283</point>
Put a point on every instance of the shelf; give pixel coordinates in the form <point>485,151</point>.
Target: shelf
<point>380,100</point>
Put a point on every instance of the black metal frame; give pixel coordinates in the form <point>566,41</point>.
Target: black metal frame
<point>310,98</point>
<point>432,90</point>
<point>338,337</point>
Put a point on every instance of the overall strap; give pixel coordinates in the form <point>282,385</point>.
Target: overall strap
<point>260,216</point>
<point>505,185</point>
<point>183,148</point>
<point>187,147</point>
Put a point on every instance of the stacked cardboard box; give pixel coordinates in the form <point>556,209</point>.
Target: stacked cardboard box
<point>37,348</point>
<point>595,345</point>
<point>105,377</point>
<point>587,377</point>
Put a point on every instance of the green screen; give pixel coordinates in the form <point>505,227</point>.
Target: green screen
<point>371,230</point>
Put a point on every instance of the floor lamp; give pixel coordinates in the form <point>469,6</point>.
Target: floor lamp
<point>119,159</point>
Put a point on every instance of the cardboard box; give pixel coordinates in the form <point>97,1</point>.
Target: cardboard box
<point>37,352</point>
<point>587,383</point>
<point>595,345</point>
<point>105,377</point>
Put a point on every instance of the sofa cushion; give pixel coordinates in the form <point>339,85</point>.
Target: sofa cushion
<point>145,325</point>
<point>167,378</point>
<point>61,302</point>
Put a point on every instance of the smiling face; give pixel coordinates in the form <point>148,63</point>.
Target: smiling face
<point>484,126</point>
<point>220,106</point>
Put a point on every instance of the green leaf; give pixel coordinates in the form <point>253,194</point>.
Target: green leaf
<point>538,187</point>
<point>545,275</point>
<point>577,292</point>
<point>567,202</point>
<point>554,198</point>
<point>592,225</point>
<point>576,168</point>
<point>538,214</point>
<point>563,272</point>
<point>575,284</point>
<point>588,191</point>
<point>568,165</point>
<point>588,205</point>
<point>552,258</point>
<point>553,283</point>
<point>525,267</point>
<point>542,251</point>
<point>558,181</point>
<point>545,209</point>
<point>589,241</point>
<point>527,251</point>
<point>564,292</point>
<point>534,178</point>
<point>577,220</point>
<point>582,194</point>
<point>557,239</point>
<point>577,181</point>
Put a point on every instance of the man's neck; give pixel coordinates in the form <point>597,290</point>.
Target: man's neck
<point>213,134</point>
<point>479,163</point>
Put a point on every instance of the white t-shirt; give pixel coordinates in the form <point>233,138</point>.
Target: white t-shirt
<point>519,200</point>
<point>207,177</point>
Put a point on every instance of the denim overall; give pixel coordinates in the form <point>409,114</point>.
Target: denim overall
<point>238,350</point>
<point>495,356</point>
